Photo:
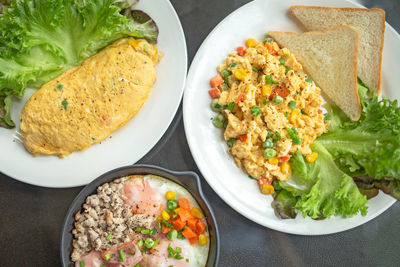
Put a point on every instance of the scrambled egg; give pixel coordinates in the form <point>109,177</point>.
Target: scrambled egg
<point>85,104</point>
<point>270,108</point>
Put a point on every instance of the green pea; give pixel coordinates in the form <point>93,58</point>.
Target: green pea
<point>268,144</point>
<point>172,235</point>
<point>269,153</point>
<point>149,242</point>
<point>215,105</point>
<point>219,121</point>
<point>277,99</point>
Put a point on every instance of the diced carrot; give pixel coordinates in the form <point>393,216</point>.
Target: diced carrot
<point>271,96</point>
<point>165,230</point>
<point>192,223</point>
<point>319,111</point>
<point>188,233</point>
<point>241,51</point>
<point>216,81</point>
<point>270,47</point>
<point>178,223</point>
<point>193,240</point>
<point>240,98</point>
<point>184,203</point>
<point>214,92</point>
<point>200,227</point>
<point>285,158</point>
<point>185,215</point>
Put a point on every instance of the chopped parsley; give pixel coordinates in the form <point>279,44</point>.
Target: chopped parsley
<point>287,68</point>
<point>64,103</point>
<point>292,104</point>
<point>233,65</point>
<point>59,86</point>
<point>255,69</point>
<point>282,61</point>
<point>230,106</point>
<point>308,79</point>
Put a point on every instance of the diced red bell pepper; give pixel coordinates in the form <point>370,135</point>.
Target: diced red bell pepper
<point>285,158</point>
<point>243,137</point>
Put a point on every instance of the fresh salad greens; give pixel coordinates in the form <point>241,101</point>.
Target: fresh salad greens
<point>367,150</point>
<point>41,39</point>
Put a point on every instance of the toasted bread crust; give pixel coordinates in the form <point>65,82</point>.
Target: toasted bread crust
<point>372,10</point>
<point>357,107</point>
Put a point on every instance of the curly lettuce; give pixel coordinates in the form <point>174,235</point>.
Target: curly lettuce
<point>41,39</point>
<point>367,151</point>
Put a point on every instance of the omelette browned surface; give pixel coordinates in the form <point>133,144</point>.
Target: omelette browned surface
<point>87,103</point>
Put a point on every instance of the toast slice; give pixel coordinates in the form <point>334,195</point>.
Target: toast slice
<point>331,63</point>
<point>370,24</point>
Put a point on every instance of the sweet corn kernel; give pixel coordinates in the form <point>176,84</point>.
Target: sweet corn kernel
<point>267,189</point>
<point>240,74</point>
<point>134,43</point>
<point>159,218</point>
<point>251,42</point>
<point>170,195</point>
<point>273,161</point>
<point>285,167</point>
<point>177,210</point>
<point>294,116</point>
<point>312,157</point>
<point>266,90</point>
<point>165,215</point>
<point>197,213</point>
<point>203,240</point>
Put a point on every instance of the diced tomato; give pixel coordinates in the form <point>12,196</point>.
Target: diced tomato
<point>241,51</point>
<point>271,96</point>
<point>243,137</point>
<point>193,240</point>
<point>240,98</point>
<point>165,230</point>
<point>319,111</point>
<point>188,233</point>
<point>216,81</point>
<point>282,91</point>
<point>184,203</point>
<point>285,158</point>
<point>214,92</point>
<point>192,223</point>
<point>178,223</point>
<point>200,227</point>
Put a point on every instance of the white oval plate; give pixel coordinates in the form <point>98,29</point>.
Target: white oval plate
<point>206,143</point>
<point>129,143</point>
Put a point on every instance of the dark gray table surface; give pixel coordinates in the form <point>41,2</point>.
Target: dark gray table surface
<point>31,217</point>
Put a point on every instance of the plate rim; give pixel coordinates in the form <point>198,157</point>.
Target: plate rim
<point>219,190</point>
<point>13,175</point>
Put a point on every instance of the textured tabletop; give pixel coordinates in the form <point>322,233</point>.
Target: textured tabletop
<point>31,217</point>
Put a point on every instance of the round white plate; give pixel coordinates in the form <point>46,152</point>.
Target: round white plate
<point>126,145</point>
<point>206,142</point>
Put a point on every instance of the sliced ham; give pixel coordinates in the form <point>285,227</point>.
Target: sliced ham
<point>131,252</point>
<point>92,259</point>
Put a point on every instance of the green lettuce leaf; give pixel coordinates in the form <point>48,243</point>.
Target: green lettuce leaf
<point>321,189</point>
<point>41,39</point>
<point>370,146</point>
